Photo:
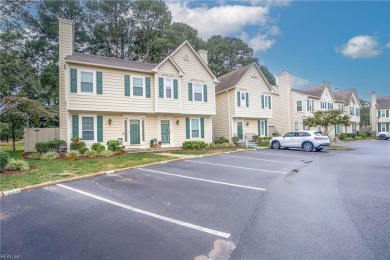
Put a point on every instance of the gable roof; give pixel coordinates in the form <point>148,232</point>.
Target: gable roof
<point>382,102</point>
<point>315,91</point>
<point>232,78</point>
<point>197,56</point>
<point>181,73</point>
<point>97,60</point>
<point>345,95</point>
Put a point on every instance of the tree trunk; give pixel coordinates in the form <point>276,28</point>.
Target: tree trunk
<point>13,137</point>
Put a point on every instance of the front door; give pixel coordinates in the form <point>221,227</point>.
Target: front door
<point>239,130</point>
<point>135,133</point>
<point>165,132</point>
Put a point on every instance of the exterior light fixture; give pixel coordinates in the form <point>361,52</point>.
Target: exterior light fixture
<point>109,121</point>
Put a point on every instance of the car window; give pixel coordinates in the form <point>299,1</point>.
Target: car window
<point>290,134</point>
<point>318,134</point>
<point>301,134</point>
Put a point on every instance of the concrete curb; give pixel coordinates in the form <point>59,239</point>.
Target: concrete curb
<point>75,178</point>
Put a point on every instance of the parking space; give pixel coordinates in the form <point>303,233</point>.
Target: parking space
<point>198,201</point>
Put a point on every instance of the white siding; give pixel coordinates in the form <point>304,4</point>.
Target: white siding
<point>221,119</point>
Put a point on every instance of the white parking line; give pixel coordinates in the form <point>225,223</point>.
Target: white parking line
<point>232,166</point>
<point>205,180</point>
<point>278,154</point>
<point>256,159</point>
<point>150,214</point>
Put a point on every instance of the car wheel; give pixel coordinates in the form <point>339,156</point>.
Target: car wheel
<point>308,147</point>
<point>382,137</point>
<point>275,145</point>
<point>319,149</point>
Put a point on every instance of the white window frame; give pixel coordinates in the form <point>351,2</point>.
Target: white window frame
<point>94,127</point>
<point>262,128</point>
<point>337,129</point>
<point>383,113</point>
<point>311,105</point>
<point>193,92</point>
<point>341,107</point>
<point>305,127</point>
<point>330,105</point>
<point>296,126</point>
<point>243,101</point>
<point>323,104</point>
<point>200,130</point>
<point>132,87</point>
<point>93,82</point>
<point>165,88</point>
<point>266,101</point>
<point>352,111</point>
<point>296,106</point>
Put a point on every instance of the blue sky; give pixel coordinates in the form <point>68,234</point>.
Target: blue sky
<point>345,43</point>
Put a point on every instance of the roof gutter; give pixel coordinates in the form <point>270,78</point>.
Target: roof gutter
<point>107,66</point>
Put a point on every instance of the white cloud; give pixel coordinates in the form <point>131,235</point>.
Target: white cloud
<point>271,2</point>
<point>219,20</point>
<point>387,45</point>
<point>275,30</point>
<point>361,46</point>
<point>260,43</point>
<point>297,81</point>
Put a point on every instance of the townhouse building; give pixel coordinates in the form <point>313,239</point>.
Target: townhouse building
<point>104,98</point>
<point>380,113</point>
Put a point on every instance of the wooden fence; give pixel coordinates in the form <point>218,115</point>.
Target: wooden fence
<point>35,135</point>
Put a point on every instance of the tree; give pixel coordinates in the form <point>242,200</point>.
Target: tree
<point>268,75</point>
<point>365,113</point>
<point>327,120</point>
<point>19,111</point>
<point>13,14</point>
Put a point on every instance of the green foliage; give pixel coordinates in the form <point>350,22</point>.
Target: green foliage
<point>73,154</point>
<point>364,112</point>
<point>327,120</point>
<point>4,159</point>
<point>78,146</point>
<point>35,156</point>
<point>275,134</point>
<point>343,136</point>
<point>113,145</point>
<point>235,140</point>
<point>107,153</point>
<point>49,156</point>
<point>194,144</point>
<point>17,165</point>
<point>221,140</point>
<point>83,150</point>
<point>54,145</point>
<point>91,153</point>
<point>98,147</point>
<point>264,141</point>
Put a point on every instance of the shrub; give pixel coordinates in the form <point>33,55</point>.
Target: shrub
<point>72,155</point>
<point>231,145</point>
<point>212,145</point>
<point>113,145</point>
<point>343,136</point>
<point>275,134</point>
<point>77,146</point>
<point>255,138</point>
<point>17,165</point>
<point>54,145</point>
<point>49,156</point>
<point>235,139</point>
<point>368,134</point>
<point>91,153</point>
<point>351,135</point>
<point>35,156</point>
<point>83,150</point>
<point>225,145</point>
<point>221,140</point>
<point>363,135</point>
<point>107,153</point>
<point>194,144</point>
<point>4,159</point>
<point>98,147</point>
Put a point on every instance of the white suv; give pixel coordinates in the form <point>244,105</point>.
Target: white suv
<point>383,135</point>
<point>307,140</point>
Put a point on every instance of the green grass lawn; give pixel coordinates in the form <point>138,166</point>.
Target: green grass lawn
<point>43,171</point>
<point>203,151</point>
<point>4,146</point>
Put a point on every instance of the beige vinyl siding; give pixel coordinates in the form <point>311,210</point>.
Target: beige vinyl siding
<point>298,116</point>
<point>65,49</point>
<point>255,87</point>
<point>221,119</point>
<point>113,131</point>
<point>151,128</point>
<point>170,105</point>
<point>195,72</point>
<point>113,98</point>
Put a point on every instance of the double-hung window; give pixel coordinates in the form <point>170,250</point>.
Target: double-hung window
<point>86,82</point>
<point>168,88</point>
<point>330,105</point>
<point>383,113</point>
<point>195,128</point>
<point>88,128</point>
<point>198,92</point>
<point>299,106</point>
<point>267,102</point>
<point>351,110</point>
<point>310,105</point>
<point>243,98</point>
<point>138,87</point>
<point>296,126</point>
<point>323,105</point>
<point>341,107</point>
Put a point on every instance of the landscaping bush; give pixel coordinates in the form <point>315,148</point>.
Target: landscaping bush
<point>231,145</point>
<point>275,134</point>
<point>255,138</point>
<point>49,156</point>
<point>77,146</point>
<point>17,165</point>
<point>98,147</point>
<point>343,136</point>
<point>351,135</point>
<point>221,140</point>
<point>194,144</point>
<point>91,153</point>
<point>368,134</point>
<point>212,145</point>
<point>113,145</point>
<point>4,159</point>
<point>35,156</point>
<point>83,150</point>
<point>107,153</point>
<point>72,155</point>
<point>235,140</point>
<point>54,146</point>
<point>363,135</point>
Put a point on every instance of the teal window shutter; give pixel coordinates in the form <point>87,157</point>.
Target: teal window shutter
<point>73,80</point>
<point>188,136</point>
<point>379,128</point>
<point>379,113</point>
<point>175,89</point>
<point>99,128</point>
<point>205,93</point>
<point>147,86</point>
<point>161,87</point>
<point>266,128</point>
<point>238,98</point>
<point>269,102</point>
<point>99,82</point>
<point>75,126</point>
<point>258,128</point>
<point>387,113</point>
<point>262,101</point>
<point>189,91</point>
<point>247,99</point>
<point>202,127</point>
<point>127,85</point>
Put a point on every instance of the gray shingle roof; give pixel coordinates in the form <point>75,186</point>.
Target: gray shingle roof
<point>315,91</point>
<point>382,102</point>
<point>112,62</point>
<point>231,78</point>
<point>343,95</point>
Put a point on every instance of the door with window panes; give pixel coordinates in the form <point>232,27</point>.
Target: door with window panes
<point>165,132</point>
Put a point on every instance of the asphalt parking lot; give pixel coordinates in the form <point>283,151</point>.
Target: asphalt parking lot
<point>244,205</point>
